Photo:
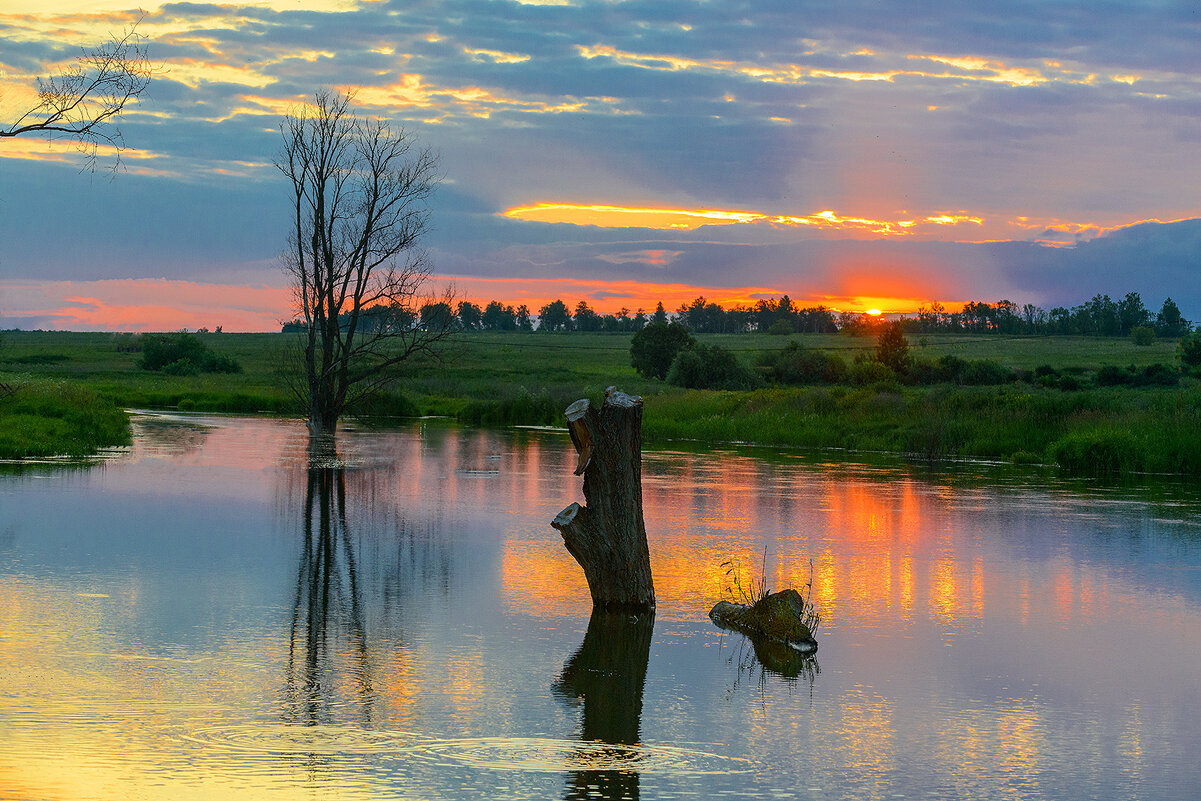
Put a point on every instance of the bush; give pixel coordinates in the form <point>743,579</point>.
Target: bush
<point>870,371</point>
<point>655,347</point>
<point>797,365</point>
<point>892,348</point>
<point>710,367</point>
<point>1189,351</point>
<point>1157,375</point>
<point>781,327</point>
<point>1111,376</point>
<point>1151,375</point>
<point>182,354</point>
<point>985,373</point>
<point>1142,335</point>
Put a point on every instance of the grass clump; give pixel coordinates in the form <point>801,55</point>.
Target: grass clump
<point>750,590</point>
<point>56,418</point>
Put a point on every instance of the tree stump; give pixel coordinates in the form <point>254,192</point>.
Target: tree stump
<point>607,535</point>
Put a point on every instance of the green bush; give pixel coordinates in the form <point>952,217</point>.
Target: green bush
<point>781,327</point>
<point>1142,335</point>
<point>1189,351</point>
<point>182,354</point>
<point>797,365</point>
<point>869,371</point>
<point>985,373</point>
<point>655,347</point>
<point>892,348</point>
<point>710,367</point>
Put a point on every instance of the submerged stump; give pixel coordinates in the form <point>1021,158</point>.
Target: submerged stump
<point>775,618</point>
<point>607,535</point>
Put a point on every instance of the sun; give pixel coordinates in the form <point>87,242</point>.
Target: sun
<point>874,312</point>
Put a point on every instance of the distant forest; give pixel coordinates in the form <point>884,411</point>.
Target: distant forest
<point>1101,316</point>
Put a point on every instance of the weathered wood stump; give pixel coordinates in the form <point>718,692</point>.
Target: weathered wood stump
<point>607,535</point>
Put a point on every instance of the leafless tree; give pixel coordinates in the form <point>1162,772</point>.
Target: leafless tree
<point>360,193</point>
<point>82,102</point>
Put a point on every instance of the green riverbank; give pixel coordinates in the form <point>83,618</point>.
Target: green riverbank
<point>71,388</point>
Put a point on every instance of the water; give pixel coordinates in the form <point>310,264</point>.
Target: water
<point>204,617</point>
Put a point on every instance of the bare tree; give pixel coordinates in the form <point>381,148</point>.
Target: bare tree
<point>82,102</point>
<point>360,191</point>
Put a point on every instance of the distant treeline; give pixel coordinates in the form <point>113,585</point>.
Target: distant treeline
<point>1101,316</point>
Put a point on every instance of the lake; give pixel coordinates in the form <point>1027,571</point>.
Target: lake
<point>203,616</point>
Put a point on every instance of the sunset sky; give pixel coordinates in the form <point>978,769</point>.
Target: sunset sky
<point>854,154</point>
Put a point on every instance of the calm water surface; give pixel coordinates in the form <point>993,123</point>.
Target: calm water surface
<point>206,617</point>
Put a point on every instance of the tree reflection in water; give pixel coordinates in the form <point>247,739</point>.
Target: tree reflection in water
<point>327,607</point>
<point>608,673</point>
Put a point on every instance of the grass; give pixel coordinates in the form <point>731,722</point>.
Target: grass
<point>755,589</point>
<point>1092,432</point>
<point>58,418</point>
<point>521,378</point>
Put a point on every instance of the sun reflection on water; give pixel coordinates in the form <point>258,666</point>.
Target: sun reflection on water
<point>409,623</point>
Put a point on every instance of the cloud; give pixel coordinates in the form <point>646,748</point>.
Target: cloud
<point>1048,123</point>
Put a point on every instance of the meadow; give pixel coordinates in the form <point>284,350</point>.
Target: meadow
<point>493,378</point>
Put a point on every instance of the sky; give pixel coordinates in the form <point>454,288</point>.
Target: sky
<point>853,154</point>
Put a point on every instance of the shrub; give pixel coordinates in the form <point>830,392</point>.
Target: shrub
<point>870,371</point>
<point>710,367</point>
<point>182,354</point>
<point>1111,376</point>
<point>655,347</point>
<point>1142,335</point>
<point>1189,351</point>
<point>797,365</point>
<point>892,348</point>
<point>781,327</point>
<point>985,373</point>
<point>180,367</point>
<point>1157,375</point>
<point>950,368</point>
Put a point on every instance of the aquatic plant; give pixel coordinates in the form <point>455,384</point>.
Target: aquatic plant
<point>752,589</point>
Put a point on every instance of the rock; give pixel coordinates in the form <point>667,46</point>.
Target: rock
<point>776,617</point>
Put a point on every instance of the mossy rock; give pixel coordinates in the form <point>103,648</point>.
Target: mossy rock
<point>775,617</point>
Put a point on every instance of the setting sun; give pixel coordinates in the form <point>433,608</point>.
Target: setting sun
<point>874,312</point>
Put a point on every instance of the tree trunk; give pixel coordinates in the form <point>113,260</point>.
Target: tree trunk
<point>607,535</point>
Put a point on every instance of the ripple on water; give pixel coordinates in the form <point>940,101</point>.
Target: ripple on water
<point>281,738</point>
<point>538,754</point>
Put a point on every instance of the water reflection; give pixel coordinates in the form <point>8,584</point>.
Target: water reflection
<point>772,656</point>
<point>607,674</point>
<point>327,618</point>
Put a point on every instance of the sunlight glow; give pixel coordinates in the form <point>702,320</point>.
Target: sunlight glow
<point>623,217</point>
<point>607,216</point>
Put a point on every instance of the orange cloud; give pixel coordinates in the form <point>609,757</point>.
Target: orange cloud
<point>133,304</point>
<point>688,219</point>
<point>627,217</point>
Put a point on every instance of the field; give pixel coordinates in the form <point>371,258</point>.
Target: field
<point>523,378</point>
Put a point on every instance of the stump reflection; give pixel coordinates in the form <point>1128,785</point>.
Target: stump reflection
<point>608,674</point>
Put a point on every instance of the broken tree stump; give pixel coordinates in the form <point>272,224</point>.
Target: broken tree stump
<point>607,535</point>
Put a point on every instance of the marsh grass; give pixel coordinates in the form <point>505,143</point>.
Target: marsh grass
<point>750,589</point>
<point>58,418</point>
